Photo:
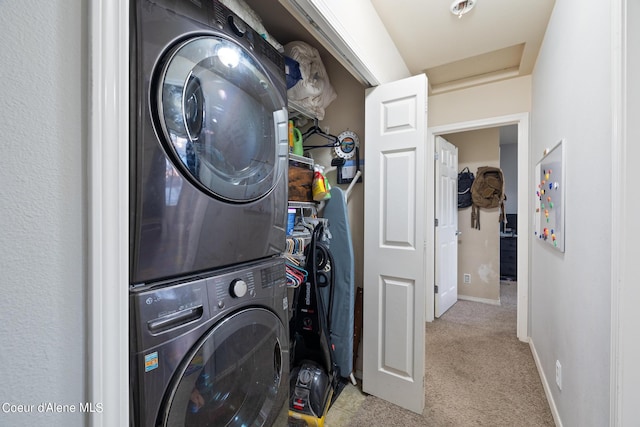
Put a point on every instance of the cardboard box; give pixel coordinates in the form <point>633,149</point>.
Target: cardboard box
<point>300,182</point>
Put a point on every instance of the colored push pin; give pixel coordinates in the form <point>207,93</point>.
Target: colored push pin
<point>549,199</point>
<point>546,213</point>
<point>550,186</point>
<point>542,205</point>
<point>551,205</point>
<point>553,237</point>
<point>546,176</point>
<point>556,185</point>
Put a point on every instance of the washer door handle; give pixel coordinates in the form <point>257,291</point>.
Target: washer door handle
<point>174,320</point>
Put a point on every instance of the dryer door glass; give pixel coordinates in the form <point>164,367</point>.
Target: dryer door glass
<point>235,376</point>
<point>219,113</point>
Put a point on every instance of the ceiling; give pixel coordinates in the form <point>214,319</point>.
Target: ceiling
<point>496,40</point>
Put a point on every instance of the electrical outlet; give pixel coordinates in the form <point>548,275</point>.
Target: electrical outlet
<point>466,278</point>
<point>559,374</point>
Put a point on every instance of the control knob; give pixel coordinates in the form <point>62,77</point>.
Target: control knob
<point>238,288</point>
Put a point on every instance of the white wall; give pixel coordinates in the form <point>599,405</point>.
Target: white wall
<point>627,369</point>
<point>359,25</point>
<point>503,98</point>
<point>571,292</point>
<point>42,188</point>
<point>509,166</point>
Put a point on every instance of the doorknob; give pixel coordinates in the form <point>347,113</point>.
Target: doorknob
<point>458,233</point>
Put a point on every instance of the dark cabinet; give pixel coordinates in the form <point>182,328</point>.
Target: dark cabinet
<point>509,257</point>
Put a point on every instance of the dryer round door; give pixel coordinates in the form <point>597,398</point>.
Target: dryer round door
<point>216,109</point>
<point>237,375</point>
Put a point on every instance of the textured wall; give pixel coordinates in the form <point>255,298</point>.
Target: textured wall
<point>42,188</point>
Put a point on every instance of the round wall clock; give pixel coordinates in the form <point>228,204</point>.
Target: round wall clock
<point>348,142</point>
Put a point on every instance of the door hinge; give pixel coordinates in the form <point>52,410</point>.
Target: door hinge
<point>436,288</point>
<point>436,156</point>
<point>436,222</point>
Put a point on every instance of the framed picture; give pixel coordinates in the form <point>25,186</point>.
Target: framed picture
<point>550,198</point>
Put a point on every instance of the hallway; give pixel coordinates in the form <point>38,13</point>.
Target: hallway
<point>478,374</point>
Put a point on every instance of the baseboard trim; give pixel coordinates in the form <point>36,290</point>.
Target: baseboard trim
<point>545,385</point>
<point>482,300</point>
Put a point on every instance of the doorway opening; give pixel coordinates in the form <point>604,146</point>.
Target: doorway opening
<point>521,122</point>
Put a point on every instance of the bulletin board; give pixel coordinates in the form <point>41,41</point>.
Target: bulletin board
<point>549,192</point>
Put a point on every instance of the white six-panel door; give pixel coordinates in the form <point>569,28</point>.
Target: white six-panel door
<point>394,242</point>
<point>446,232</point>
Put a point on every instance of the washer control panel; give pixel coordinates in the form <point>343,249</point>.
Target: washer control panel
<point>240,285</point>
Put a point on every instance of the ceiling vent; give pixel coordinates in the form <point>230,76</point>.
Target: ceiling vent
<point>461,7</point>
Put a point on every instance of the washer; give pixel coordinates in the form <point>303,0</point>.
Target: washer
<point>209,141</point>
<point>212,350</point>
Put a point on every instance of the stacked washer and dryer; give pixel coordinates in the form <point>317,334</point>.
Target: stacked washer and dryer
<point>209,143</point>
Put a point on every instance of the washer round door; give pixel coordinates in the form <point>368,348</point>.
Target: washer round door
<point>237,375</point>
<point>217,109</point>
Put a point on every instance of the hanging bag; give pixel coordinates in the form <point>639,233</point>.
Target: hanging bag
<point>465,180</point>
<point>487,192</point>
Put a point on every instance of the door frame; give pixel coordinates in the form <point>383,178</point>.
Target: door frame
<point>524,183</point>
<point>107,263</point>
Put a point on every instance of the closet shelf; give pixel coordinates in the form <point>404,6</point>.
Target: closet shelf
<point>297,110</point>
<point>301,159</point>
<point>303,205</point>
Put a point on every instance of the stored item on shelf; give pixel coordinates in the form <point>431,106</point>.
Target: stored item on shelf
<point>321,185</point>
<point>314,91</point>
<point>300,184</point>
<point>292,71</point>
<point>290,136</point>
<point>298,149</point>
<point>291,220</point>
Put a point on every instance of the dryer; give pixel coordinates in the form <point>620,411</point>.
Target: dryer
<point>212,350</point>
<point>209,141</point>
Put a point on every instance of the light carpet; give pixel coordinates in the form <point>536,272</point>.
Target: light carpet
<point>478,374</point>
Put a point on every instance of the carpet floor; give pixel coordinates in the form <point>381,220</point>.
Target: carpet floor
<point>477,374</point>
